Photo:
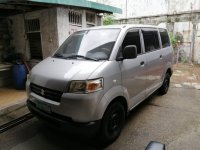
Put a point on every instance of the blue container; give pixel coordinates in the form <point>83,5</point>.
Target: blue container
<point>19,75</point>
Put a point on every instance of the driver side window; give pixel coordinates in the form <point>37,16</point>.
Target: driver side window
<point>132,38</point>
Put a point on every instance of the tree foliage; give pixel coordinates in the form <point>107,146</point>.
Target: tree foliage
<point>108,19</point>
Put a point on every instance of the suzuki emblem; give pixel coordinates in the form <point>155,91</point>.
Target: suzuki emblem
<point>42,92</point>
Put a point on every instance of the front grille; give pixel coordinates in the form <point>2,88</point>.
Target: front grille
<point>53,95</point>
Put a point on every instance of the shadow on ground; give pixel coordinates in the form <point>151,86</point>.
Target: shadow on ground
<point>37,135</point>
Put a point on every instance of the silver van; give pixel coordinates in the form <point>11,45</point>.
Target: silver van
<point>98,75</point>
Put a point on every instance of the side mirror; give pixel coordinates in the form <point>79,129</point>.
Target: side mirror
<point>129,52</point>
<point>153,145</point>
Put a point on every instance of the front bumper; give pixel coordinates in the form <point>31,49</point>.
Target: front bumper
<point>80,107</point>
<point>65,123</point>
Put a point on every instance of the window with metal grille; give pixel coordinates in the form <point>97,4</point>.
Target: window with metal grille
<point>32,25</point>
<point>34,38</point>
<point>90,18</point>
<point>75,17</point>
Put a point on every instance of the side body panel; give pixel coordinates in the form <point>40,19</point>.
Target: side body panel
<point>134,76</point>
<point>155,65</point>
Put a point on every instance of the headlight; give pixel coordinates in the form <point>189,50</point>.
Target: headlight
<point>88,86</point>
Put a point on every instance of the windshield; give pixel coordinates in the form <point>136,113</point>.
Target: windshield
<point>89,44</point>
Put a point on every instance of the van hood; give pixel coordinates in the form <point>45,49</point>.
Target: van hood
<point>55,73</point>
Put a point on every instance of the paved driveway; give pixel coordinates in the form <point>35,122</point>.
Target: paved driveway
<point>173,119</point>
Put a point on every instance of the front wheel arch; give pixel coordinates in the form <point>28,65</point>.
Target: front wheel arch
<point>112,123</point>
<point>122,101</point>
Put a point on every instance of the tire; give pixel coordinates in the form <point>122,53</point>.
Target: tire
<point>112,123</point>
<point>165,86</point>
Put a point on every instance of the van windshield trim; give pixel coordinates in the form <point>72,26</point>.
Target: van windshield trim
<point>92,44</point>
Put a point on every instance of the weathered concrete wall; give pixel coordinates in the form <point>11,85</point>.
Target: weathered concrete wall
<point>185,23</point>
<point>48,30</point>
<point>5,37</point>
<point>62,24</point>
<point>182,5</point>
<point>137,8</point>
<point>65,28</point>
<point>18,33</point>
<point>99,21</point>
<point>185,29</point>
<point>54,29</point>
<point>197,45</point>
<point>169,18</point>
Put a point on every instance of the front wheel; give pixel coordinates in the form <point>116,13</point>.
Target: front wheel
<point>165,86</point>
<point>112,123</point>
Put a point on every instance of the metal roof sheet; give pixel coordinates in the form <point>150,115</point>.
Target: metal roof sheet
<point>77,3</point>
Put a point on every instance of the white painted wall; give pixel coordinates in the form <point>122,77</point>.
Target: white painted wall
<point>151,7</point>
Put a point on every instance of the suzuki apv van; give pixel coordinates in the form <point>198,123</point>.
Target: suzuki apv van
<point>98,75</point>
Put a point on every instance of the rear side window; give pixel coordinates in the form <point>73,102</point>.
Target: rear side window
<point>164,38</point>
<point>151,41</point>
<point>132,38</point>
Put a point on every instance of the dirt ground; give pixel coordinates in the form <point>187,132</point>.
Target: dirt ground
<point>186,75</point>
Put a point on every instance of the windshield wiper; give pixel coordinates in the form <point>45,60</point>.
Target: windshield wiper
<point>80,56</point>
<point>58,55</point>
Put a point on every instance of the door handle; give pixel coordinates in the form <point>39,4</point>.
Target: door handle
<point>142,63</point>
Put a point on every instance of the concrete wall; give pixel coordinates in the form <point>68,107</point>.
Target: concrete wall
<point>54,29</point>
<point>185,28</point>
<point>49,33</point>
<point>186,23</point>
<point>4,38</point>
<point>197,45</point>
<point>65,28</point>
<point>62,24</point>
<point>182,5</point>
<point>138,8</point>
<point>48,30</point>
<point>18,33</point>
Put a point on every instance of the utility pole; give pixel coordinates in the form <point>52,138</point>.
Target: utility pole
<point>126,10</point>
<point>193,33</point>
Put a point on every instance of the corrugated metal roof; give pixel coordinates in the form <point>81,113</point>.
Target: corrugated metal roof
<point>77,3</point>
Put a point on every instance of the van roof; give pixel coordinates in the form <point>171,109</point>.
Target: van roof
<point>127,26</point>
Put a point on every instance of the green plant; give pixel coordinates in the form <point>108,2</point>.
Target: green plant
<point>184,59</point>
<point>175,38</point>
<point>108,19</point>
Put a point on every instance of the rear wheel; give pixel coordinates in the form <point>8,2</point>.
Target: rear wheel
<point>165,86</point>
<point>112,123</point>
